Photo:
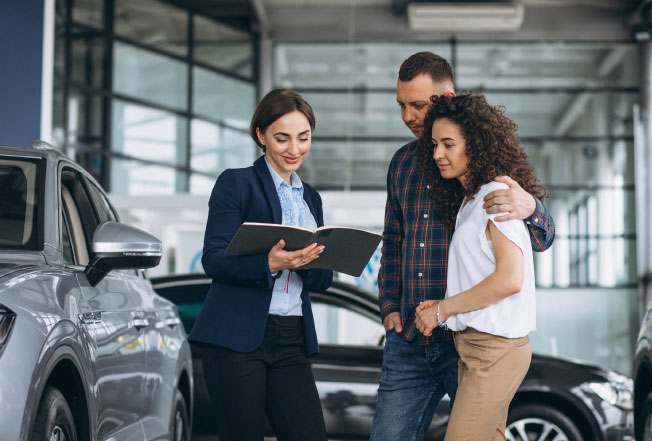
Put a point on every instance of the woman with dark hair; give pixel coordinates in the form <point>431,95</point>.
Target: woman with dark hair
<point>489,302</point>
<point>256,328</point>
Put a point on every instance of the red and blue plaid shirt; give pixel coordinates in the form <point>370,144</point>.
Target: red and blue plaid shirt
<point>415,243</point>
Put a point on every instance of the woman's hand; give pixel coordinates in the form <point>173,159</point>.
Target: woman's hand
<point>426,317</point>
<point>279,259</point>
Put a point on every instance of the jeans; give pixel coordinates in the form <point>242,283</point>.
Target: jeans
<point>413,381</point>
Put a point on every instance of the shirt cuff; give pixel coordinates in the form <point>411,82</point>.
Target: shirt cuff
<point>535,218</point>
<point>389,309</point>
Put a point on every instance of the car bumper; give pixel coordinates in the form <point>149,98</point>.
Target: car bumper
<point>623,431</point>
<point>619,434</point>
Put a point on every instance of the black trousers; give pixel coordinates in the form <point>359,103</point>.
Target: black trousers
<point>274,380</point>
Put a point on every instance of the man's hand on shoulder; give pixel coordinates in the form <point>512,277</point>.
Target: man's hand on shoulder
<point>393,321</point>
<point>516,202</point>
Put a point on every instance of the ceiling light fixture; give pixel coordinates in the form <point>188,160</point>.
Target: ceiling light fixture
<point>465,16</point>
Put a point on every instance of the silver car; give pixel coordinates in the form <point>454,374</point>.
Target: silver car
<point>88,351</point>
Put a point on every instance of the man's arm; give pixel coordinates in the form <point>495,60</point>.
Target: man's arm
<point>389,276</point>
<point>519,204</point>
<point>541,228</point>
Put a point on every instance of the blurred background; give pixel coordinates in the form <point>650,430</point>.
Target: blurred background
<point>154,98</point>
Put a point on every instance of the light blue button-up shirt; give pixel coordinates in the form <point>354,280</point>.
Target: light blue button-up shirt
<point>286,296</point>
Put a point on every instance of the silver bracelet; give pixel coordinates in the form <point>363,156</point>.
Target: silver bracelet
<point>439,322</point>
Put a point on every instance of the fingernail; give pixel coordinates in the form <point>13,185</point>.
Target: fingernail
<point>314,245</point>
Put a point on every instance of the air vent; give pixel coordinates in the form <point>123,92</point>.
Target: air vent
<point>465,16</point>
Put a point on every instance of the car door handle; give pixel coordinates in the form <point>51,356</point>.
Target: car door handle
<point>90,317</point>
<point>171,322</point>
<point>140,323</point>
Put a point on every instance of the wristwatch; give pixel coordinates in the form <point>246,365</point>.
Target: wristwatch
<point>439,322</point>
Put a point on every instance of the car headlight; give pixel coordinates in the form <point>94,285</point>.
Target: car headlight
<point>7,318</point>
<point>617,391</point>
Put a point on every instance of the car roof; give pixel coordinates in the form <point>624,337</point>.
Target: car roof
<point>47,152</point>
<point>198,278</point>
<point>26,151</point>
<point>337,288</point>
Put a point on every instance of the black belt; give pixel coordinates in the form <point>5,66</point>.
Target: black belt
<point>285,320</point>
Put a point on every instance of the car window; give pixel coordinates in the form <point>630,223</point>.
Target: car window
<point>337,325</point>
<point>66,242</point>
<point>102,206</point>
<point>73,219</point>
<point>18,203</point>
<point>79,211</point>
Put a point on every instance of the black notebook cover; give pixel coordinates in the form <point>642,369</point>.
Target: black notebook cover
<point>347,250</point>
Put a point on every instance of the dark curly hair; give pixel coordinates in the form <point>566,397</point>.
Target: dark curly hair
<point>492,148</point>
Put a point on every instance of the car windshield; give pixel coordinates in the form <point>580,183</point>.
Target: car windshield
<point>18,203</point>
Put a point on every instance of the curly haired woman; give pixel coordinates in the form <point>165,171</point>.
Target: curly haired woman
<point>490,302</point>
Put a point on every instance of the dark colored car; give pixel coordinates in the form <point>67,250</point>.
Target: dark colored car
<point>643,380</point>
<point>88,350</point>
<point>558,400</point>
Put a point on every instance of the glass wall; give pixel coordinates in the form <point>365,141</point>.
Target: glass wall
<point>573,103</point>
<point>351,88</point>
<point>155,99</point>
<point>151,98</point>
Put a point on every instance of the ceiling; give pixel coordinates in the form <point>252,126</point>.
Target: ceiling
<point>561,94</point>
<point>366,20</point>
<point>568,77</point>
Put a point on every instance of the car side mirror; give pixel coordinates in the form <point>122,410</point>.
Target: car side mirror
<point>120,246</point>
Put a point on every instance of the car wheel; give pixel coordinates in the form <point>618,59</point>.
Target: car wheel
<point>54,421</point>
<point>179,424</point>
<point>534,422</point>
<point>647,430</point>
<point>646,417</point>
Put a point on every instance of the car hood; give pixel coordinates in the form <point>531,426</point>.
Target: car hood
<point>566,371</point>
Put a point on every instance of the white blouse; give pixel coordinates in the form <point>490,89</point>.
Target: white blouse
<point>471,260</point>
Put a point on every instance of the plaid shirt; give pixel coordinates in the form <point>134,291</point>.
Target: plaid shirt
<point>415,244</point>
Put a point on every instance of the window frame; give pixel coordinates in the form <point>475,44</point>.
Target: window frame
<point>73,179</point>
<point>65,226</point>
<point>352,304</point>
<point>37,241</point>
<point>77,34</point>
<point>103,204</point>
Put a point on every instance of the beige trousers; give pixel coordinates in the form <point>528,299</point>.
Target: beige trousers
<point>491,368</point>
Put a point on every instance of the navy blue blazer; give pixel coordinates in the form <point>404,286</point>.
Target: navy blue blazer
<point>234,314</point>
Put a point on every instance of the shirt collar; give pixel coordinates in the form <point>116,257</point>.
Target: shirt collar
<point>278,180</point>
